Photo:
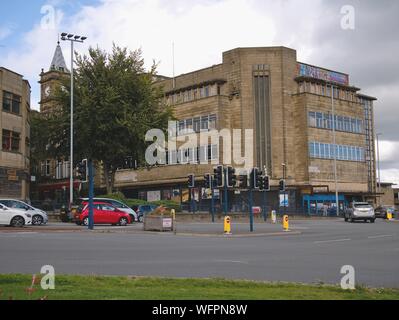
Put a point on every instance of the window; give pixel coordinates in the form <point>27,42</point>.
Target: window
<point>10,141</point>
<point>11,102</point>
<point>322,155</point>
<point>197,124</point>
<point>189,125</point>
<point>347,126</point>
<point>203,158</point>
<point>354,126</point>
<point>340,125</point>
<point>319,120</point>
<point>214,152</point>
<point>204,123</point>
<point>212,121</point>
<point>182,126</point>
<point>312,119</point>
<point>207,91</point>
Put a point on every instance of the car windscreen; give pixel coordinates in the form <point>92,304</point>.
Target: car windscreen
<point>362,205</point>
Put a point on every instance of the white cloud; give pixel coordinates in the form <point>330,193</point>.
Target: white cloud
<point>388,151</point>
<point>5,32</point>
<point>390,175</point>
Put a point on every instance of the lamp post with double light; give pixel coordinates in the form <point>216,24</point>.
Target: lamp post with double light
<point>72,39</point>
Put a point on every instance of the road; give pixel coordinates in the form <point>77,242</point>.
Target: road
<point>315,255</point>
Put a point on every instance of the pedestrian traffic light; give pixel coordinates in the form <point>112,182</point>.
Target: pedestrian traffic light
<point>266,183</point>
<point>208,181</point>
<point>218,171</point>
<point>191,181</point>
<point>253,179</point>
<point>82,171</point>
<point>259,181</point>
<point>243,181</point>
<point>281,185</point>
<point>231,177</point>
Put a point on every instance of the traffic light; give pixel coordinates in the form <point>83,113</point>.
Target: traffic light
<point>191,181</point>
<point>254,178</point>
<point>231,177</point>
<point>259,181</point>
<point>208,181</point>
<point>243,181</point>
<point>266,183</point>
<point>82,171</point>
<point>281,185</point>
<point>218,171</point>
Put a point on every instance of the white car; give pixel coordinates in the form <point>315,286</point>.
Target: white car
<point>39,217</point>
<point>117,204</point>
<point>13,217</point>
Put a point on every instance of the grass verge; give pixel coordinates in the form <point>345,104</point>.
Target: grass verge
<point>73,287</point>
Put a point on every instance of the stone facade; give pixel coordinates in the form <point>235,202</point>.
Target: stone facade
<point>261,89</point>
<point>15,135</point>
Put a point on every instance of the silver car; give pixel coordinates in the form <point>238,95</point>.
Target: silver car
<point>360,211</point>
<point>39,217</point>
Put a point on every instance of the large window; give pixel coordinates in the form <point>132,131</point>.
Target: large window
<point>197,124</point>
<point>342,123</point>
<point>328,151</point>
<point>11,141</point>
<point>11,102</point>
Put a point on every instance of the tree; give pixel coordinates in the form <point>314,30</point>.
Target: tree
<point>115,104</point>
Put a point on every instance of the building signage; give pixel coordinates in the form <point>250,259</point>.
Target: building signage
<point>153,195</point>
<point>283,200</point>
<point>305,70</point>
<point>167,222</point>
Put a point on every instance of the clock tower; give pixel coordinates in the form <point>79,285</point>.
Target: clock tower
<point>50,80</point>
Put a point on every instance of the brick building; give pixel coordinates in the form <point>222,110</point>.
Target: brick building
<point>15,135</point>
<point>289,106</point>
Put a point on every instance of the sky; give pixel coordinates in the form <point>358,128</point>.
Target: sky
<point>360,40</point>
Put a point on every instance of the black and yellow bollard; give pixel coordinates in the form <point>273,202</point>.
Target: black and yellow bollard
<point>227,225</point>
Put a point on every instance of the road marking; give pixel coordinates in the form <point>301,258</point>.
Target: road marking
<point>335,240</point>
<point>380,236</point>
<point>232,261</point>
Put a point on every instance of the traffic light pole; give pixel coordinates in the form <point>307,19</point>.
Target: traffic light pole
<point>225,200</point>
<point>264,205</point>
<point>212,199</point>
<point>91,195</point>
<point>251,212</point>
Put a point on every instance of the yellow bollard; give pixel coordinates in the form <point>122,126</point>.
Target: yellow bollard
<point>173,212</point>
<point>227,225</point>
<point>389,215</point>
<point>285,223</point>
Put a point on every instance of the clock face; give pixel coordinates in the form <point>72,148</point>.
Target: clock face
<point>47,91</point>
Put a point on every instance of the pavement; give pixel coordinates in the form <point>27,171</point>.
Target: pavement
<point>313,252</point>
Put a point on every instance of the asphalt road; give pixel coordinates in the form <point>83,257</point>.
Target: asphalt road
<point>315,255</point>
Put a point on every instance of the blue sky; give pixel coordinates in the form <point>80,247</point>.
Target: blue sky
<point>202,29</point>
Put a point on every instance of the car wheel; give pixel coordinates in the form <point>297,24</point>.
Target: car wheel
<point>17,221</point>
<point>141,218</point>
<point>37,220</point>
<point>350,219</point>
<point>132,219</point>
<point>86,221</point>
<point>372,220</point>
<point>345,218</point>
<point>123,221</point>
<point>78,223</point>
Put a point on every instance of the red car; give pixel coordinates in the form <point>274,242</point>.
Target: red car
<point>104,213</point>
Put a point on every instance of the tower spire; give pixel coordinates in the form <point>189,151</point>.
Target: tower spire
<point>58,62</point>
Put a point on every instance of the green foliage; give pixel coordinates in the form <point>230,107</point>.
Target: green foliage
<point>116,103</point>
<point>115,195</point>
<point>169,204</point>
<point>135,202</point>
<point>88,287</point>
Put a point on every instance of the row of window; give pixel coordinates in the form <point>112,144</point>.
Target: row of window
<point>11,102</point>
<point>330,151</point>
<point>193,94</point>
<point>324,120</point>
<point>325,90</point>
<point>201,154</point>
<point>197,124</point>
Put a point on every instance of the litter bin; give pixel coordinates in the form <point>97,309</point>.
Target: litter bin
<point>64,214</point>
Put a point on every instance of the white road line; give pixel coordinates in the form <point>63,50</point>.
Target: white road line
<point>232,261</point>
<point>335,240</point>
<point>380,236</point>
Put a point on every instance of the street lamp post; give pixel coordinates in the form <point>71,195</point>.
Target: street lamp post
<point>72,38</point>
<point>285,199</point>
<point>378,162</point>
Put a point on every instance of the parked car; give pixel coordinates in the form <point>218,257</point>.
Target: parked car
<point>381,211</point>
<point>143,209</point>
<point>117,204</point>
<point>39,217</point>
<point>14,217</point>
<point>104,213</point>
<point>359,211</point>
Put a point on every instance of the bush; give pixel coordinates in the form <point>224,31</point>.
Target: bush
<point>116,196</point>
<point>168,204</point>
<point>134,202</point>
